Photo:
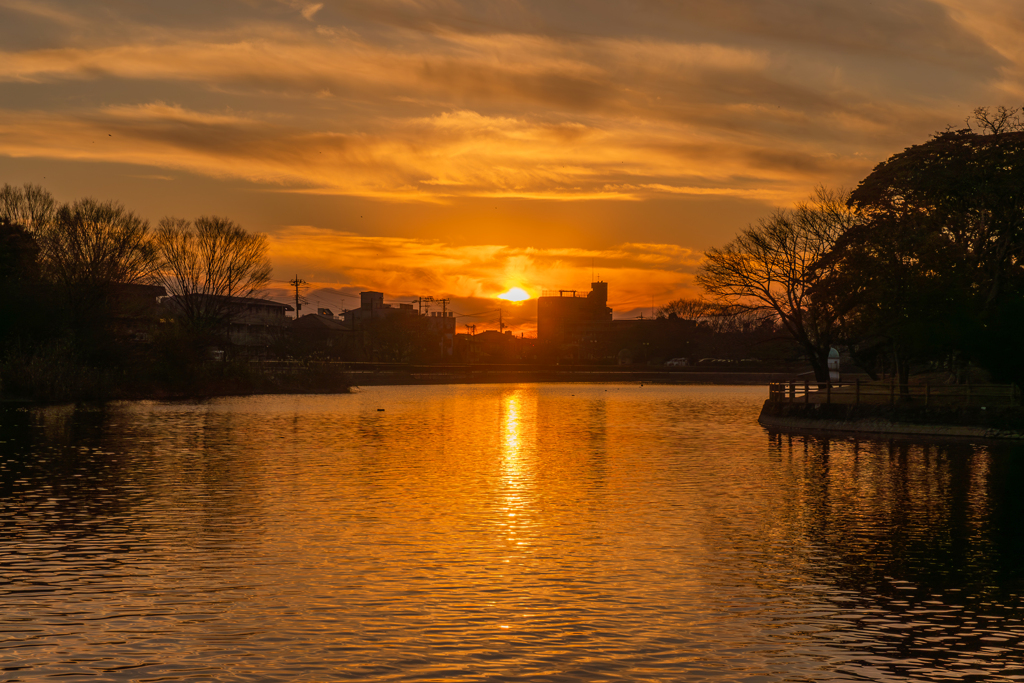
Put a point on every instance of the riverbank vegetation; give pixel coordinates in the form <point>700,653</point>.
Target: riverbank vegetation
<point>79,312</point>
<point>920,267</point>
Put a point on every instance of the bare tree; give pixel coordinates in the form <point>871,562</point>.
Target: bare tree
<point>715,316</point>
<point>741,319</point>
<point>89,247</point>
<point>30,206</point>
<point>689,309</point>
<point>765,270</point>
<point>207,262</point>
<point>1001,120</point>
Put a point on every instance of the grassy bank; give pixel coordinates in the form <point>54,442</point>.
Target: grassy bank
<point>51,375</point>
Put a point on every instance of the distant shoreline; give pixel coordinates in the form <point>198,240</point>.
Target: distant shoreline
<point>562,376</point>
<point>210,380</point>
<point>281,384</point>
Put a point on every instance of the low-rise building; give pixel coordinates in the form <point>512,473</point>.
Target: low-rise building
<point>372,307</point>
<point>373,311</point>
<point>136,310</point>
<point>251,324</point>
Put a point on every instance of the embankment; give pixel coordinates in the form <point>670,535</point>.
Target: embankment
<point>509,375</point>
<point>990,422</point>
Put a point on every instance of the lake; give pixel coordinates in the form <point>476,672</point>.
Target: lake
<point>541,532</point>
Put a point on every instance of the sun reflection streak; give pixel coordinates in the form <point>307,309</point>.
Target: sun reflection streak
<point>514,467</point>
<point>512,407</point>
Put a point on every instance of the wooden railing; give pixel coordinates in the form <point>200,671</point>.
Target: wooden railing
<point>891,392</point>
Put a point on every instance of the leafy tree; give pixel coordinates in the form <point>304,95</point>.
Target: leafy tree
<point>19,256</point>
<point>20,281</point>
<point>936,263</point>
<point>765,270</point>
<point>884,283</point>
<point>203,263</point>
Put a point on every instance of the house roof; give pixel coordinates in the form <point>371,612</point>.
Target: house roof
<point>239,300</point>
<point>319,322</point>
<point>491,335</point>
<point>123,289</point>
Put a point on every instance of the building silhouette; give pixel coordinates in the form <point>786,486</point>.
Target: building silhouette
<point>403,319</point>
<point>565,315</point>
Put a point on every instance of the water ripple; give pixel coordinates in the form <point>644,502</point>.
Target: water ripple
<point>500,532</point>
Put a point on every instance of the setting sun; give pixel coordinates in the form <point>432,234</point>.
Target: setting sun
<point>515,294</point>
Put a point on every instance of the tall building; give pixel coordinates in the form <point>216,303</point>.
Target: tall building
<point>564,315</point>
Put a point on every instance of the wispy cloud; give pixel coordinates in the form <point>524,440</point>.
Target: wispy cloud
<point>405,268</point>
<point>453,154</point>
<point>419,109</point>
<point>999,25</point>
<point>658,106</point>
<point>43,10</point>
<point>311,9</point>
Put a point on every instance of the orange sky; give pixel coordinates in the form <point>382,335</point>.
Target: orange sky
<point>451,148</point>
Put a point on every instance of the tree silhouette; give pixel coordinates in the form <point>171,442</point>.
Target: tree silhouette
<point>86,250</point>
<point>766,269</point>
<point>993,122</point>
<point>30,206</point>
<point>936,262</point>
<point>206,262</point>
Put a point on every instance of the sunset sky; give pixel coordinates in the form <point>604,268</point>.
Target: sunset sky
<point>456,149</point>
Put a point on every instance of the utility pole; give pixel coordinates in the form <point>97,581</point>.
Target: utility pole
<point>296,283</point>
<point>501,324</point>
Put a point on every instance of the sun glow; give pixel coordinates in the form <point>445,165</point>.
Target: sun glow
<point>515,294</point>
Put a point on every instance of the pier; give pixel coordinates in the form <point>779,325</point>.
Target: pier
<point>989,411</point>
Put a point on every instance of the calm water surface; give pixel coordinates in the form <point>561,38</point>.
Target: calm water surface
<point>499,532</point>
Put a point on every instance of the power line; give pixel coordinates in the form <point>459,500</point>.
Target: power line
<point>476,315</point>
<point>289,282</point>
<point>347,296</point>
<point>328,297</point>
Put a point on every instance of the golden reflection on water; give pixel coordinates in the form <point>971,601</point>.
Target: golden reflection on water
<point>529,532</point>
<point>511,423</point>
<point>514,467</point>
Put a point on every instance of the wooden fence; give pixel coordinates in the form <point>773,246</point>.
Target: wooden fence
<point>891,392</point>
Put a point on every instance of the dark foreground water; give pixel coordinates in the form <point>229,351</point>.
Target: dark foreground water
<point>527,532</point>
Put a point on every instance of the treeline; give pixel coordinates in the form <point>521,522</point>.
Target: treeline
<point>920,267</point>
<point>70,276</point>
